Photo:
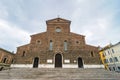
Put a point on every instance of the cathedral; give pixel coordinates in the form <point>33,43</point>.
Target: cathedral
<point>57,48</point>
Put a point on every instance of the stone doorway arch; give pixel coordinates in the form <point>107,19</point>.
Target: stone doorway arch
<point>80,62</point>
<point>36,62</point>
<point>58,61</point>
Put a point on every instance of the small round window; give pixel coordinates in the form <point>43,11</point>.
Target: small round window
<point>58,29</point>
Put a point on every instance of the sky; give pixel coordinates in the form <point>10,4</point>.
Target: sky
<point>98,20</point>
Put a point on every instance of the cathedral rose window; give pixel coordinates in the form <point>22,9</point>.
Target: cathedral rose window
<point>58,29</point>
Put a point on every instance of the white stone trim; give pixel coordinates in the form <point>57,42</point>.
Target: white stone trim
<point>31,65</point>
<point>53,66</point>
<point>46,66</point>
<point>75,61</point>
<point>49,61</point>
<point>69,66</point>
<point>93,66</point>
<point>66,61</point>
<point>22,65</point>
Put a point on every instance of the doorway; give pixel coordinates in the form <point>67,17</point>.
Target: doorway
<point>36,62</point>
<point>58,61</point>
<point>80,63</point>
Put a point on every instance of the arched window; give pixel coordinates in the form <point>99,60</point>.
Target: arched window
<point>4,60</point>
<point>113,51</point>
<point>51,45</point>
<point>110,59</point>
<point>12,61</point>
<point>24,54</point>
<point>119,68</point>
<point>92,54</point>
<point>65,45</point>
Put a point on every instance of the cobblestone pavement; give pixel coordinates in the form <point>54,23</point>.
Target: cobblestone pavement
<point>58,74</point>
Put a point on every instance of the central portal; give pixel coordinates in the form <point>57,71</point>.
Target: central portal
<point>58,60</point>
<point>80,63</point>
<point>36,62</point>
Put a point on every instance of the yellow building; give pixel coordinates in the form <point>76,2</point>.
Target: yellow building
<point>103,59</point>
<point>110,57</point>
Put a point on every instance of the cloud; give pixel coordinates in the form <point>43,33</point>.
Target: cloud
<point>12,36</point>
<point>3,11</point>
<point>97,20</point>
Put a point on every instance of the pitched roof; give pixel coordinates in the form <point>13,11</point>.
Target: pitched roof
<point>56,20</point>
<point>6,51</point>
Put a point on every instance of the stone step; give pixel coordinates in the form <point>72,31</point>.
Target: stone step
<point>59,73</point>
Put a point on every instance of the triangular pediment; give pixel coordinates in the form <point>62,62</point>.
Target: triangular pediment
<point>58,20</point>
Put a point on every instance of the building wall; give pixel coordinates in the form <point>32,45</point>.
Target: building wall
<point>6,57</point>
<point>112,55</point>
<point>39,46</point>
<point>103,59</point>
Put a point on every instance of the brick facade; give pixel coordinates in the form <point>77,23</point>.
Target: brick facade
<point>6,57</point>
<point>57,40</point>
